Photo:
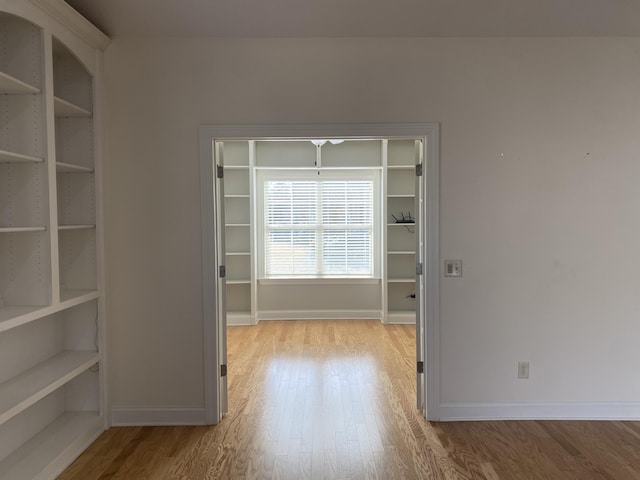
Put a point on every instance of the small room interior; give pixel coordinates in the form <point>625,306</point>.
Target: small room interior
<point>381,286</point>
<point>102,269</point>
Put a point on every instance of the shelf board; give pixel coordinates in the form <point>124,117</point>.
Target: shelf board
<point>401,280</point>
<point>71,298</point>
<point>236,167</point>
<point>401,195</point>
<point>238,282</point>
<point>236,225</point>
<point>63,108</point>
<point>13,86</point>
<point>17,315</point>
<point>401,167</point>
<point>238,254</point>
<point>23,390</point>
<point>21,229</point>
<point>402,252</point>
<point>62,167</point>
<point>240,195</point>
<point>11,157</point>
<point>397,224</point>
<point>46,454</point>
<point>75,227</point>
<point>12,314</point>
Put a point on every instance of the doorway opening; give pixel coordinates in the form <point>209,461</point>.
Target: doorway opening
<point>276,247</point>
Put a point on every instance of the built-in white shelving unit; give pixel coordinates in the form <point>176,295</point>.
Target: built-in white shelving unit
<point>52,385</point>
<point>400,257</point>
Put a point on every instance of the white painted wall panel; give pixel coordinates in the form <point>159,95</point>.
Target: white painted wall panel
<point>539,197</point>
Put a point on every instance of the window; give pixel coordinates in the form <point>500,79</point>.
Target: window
<point>319,226</point>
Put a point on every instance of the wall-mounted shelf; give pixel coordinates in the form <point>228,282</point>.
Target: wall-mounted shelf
<point>12,157</point>
<point>10,85</point>
<point>21,229</point>
<point>69,168</point>
<point>49,450</point>
<point>63,108</point>
<point>76,227</point>
<point>402,252</point>
<point>25,389</point>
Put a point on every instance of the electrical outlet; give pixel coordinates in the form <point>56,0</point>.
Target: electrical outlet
<point>523,370</point>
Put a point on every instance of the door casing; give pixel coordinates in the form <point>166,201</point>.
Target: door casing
<point>209,134</point>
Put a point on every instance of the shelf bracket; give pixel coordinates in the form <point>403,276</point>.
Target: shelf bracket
<point>219,171</point>
<point>418,170</point>
<point>222,271</point>
<point>419,269</point>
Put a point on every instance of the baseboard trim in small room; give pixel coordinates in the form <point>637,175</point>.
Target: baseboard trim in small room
<point>450,412</point>
<point>143,416</point>
<point>319,315</point>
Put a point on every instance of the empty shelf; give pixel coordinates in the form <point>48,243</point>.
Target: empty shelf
<point>11,157</point>
<point>25,389</point>
<point>76,227</point>
<point>62,167</point>
<point>64,108</point>
<point>11,85</point>
<point>21,229</point>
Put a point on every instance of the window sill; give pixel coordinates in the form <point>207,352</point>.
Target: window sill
<point>320,281</point>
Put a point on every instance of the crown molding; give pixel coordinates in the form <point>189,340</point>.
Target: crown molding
<point>71,19</point>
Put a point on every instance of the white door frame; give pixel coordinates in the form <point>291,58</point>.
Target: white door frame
<point>430,132</point>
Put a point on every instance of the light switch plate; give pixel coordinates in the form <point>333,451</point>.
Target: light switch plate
<point>453,268</point>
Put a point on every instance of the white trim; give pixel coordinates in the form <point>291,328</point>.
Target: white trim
<point>319,315</point>
<point>430,132</point>
<point>152,416</point>
<point>71,19</point>
<point>239,320</point>
<point>540,411</point>
<point>321,281</point>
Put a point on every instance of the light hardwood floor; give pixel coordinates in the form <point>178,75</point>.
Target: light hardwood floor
<point>336,400</point>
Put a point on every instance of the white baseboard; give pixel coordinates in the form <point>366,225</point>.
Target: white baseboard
<point>141,416</point>
<point>235,320</point>
<point>540,411</point>
<point>319,315</point>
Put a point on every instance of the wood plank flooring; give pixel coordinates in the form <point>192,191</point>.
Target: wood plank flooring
<point>336,400</point>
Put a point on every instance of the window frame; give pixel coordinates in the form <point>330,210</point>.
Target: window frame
<point>264,174</point>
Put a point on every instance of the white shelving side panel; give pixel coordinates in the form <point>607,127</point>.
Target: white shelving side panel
<point>11,157</point>
<point>51,450</point>
<point>13,86</point>
<point>62,167</point>
<point>62,108</point>
<point>22,391</point>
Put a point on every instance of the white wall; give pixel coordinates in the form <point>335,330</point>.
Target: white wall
<point>539,197</point>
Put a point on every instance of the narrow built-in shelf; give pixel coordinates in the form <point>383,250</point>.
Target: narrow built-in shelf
<point>238,282</point>
<point>76,227</point>
<point>21,229</point>
<point>236,225</point>
<point>236,167</point>
<point>23,390</point>
<point>401,167</point>
<point>238,254</point>
<point>63,108</point>
<point>46,454</point>
<point>75,297</point>
<point>402,195</point>
<point>62,167</point>
<point>400,224</point>
<point>402,252</point>
<point>17,315</point>
<point>12,86</point>
<point>234,195</point>
<point>402,280</point>
<point>11,157</point>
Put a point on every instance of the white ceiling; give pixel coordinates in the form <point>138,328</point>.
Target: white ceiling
<point>363,18</point>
